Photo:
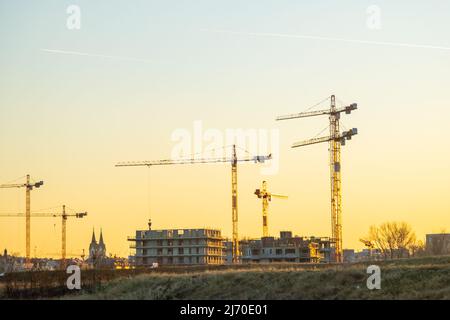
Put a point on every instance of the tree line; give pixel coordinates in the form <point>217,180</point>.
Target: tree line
<point>394,240</point>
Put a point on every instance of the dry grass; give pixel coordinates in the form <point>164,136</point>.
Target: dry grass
<point>425,278</point>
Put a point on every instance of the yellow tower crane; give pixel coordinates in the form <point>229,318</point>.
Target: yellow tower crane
<point>64,215</point>
<point>28,187</point>
<point>266,197</point>
<point>234,194</point>
<point>335,140</point>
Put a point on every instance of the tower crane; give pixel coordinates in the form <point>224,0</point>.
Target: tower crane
<point>335,140</point>
<point>64,216</point>
<point>28,187</point>
<point>234,194</point>
<point>266,197</point>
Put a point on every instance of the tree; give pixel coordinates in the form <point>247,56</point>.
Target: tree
<point>417,248</point>
<point>404,237</point>
<point>379,242</point>
<point>393,239</point>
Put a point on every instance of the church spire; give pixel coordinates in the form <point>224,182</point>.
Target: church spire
<point>93,236</point>
<point>101,237</point>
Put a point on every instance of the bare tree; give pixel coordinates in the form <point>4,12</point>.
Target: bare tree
<point>404,237</point>
<point>393,239</point>
<point>417,248</point>
<point>377,240</point>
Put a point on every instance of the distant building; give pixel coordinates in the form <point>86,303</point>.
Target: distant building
<point>286,248</point>
<point>228,251</point>
<point>349,255</point>
<point>438,243</point>
<point>178,247</point>
<point>6,264</point>
<point>48,264</point>
<point>97,252</point>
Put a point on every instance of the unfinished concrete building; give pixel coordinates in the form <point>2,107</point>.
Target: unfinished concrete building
<point>178,247</point>
<point>287,249</point>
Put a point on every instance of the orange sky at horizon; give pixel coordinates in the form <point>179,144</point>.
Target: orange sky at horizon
<point>68,119</point>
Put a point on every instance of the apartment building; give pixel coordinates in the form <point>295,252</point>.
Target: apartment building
<point>178,247</point>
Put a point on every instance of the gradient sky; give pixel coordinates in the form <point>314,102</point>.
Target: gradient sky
<point>67,119</point>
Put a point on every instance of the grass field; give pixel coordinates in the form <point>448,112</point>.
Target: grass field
<point>424,278</point>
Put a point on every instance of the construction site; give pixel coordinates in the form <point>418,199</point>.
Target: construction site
<point>171,248</point>
<point>224,150</point>
<point>155,247</point>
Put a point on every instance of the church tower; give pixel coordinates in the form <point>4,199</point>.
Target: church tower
<point>97,250</point>
<point>93,246</point>
<point>101,245</point>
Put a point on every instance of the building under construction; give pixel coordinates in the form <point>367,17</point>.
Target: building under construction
<point>208,247</point>
<point>178,247</point>
<point>287,248</point>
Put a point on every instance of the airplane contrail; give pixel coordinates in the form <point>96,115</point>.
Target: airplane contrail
<point>299,36</point>
<point>96,55</point>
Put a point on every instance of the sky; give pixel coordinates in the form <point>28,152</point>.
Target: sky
<point>73,102</point>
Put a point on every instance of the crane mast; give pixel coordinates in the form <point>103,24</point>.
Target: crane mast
<point>63,237</point>
<point>64,215</point>
<point>335,178</point>
<point>265,208</point>
<point>234,207</point>
<point>335,141</point>
<point>28,189</point>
